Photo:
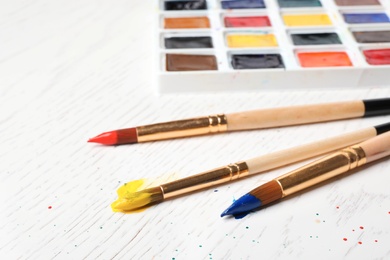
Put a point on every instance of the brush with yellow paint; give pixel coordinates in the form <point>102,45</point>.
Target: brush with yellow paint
<point>132,196</point>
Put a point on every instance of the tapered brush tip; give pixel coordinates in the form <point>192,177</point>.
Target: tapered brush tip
<point>258,197</point>
<point>107,138</point>
<point>138,199</point>
<point>244,204</point>
<point>122,136</point>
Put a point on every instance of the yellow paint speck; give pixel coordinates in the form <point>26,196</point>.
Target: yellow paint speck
<point>251,40</point>
<point>307,20</point>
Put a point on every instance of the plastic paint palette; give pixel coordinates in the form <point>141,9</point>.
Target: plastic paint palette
<point>220,45</point>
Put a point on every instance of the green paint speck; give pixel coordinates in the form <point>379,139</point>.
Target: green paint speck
<point>247,227</point>
<point>200,245</point>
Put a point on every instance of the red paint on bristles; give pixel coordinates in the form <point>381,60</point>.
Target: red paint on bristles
<point>122,136</point>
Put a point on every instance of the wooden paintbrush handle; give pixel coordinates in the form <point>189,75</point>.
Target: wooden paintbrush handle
<point>295,115</point>
<point>295,154</point>
<point>376,148</point>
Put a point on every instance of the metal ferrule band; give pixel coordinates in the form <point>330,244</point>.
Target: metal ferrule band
<point>205,179</point>
<point>182,128</point>
<point>322,169</point>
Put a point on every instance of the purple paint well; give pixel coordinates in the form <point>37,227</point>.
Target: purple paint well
<point>243,4</point>
<point>366,18</point>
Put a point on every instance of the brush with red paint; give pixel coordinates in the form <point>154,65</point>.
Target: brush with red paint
<point>256,119</point>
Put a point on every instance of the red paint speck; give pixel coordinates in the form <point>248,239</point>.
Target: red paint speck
<point>353,230</point>
<point>361,227</point>
<point>376,240</point>
<point>345,239</point>
<point>49,207</point>
<point>337,207</point>
<point>360,242</point>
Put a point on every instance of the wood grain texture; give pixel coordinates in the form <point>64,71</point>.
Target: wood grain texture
<point>72,69</point>
<point>295,115</point>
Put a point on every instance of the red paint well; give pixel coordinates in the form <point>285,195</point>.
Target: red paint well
<point>360,242</point>
<point>361,227</point>
<point>247,21</point>
<point>377,57</point>
<point>345,239</point>
<point>324,59</point>
<point>50,207</point>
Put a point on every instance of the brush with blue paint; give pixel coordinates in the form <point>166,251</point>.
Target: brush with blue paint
<point>311,174</point>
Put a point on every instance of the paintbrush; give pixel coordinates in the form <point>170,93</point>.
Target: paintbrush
<point>311,174</point>
<point>256,119</point>
<point>135,199</point>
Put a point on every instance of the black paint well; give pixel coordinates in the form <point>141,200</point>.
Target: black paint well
<point>185,5</point>
<point>188,42</point>
<point>315,38</point>
<point>257,61</point>
<point>299,3</point>
<point>372,36</point>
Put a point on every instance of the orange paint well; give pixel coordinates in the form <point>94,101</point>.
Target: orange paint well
<point>187,22</point>
<point>324,59</point>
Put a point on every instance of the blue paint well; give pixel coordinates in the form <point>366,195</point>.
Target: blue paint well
<point>243,4</point>
<point>241,207</point>
<point>366,18</point>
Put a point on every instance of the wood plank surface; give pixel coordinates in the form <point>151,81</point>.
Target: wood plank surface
<point>70,70</point>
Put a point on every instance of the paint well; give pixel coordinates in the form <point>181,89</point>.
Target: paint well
<point>242,4</point>
<point>185,5</point>
<point>184,62</point>
<point>372,36</point>
<point>299,3</point>
<point>188,42</point>
<point>356,2</point>
<point>324,59</point>
<point>257,61</point>
<point>247,21</point>
<point>315,38</point>
<point>187,22</point>
<point>366,18</point>
<point>251,40</point>
<point>377,57</point>
<point>306,20</point>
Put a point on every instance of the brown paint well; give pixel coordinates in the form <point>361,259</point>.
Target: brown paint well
<point>356,2</point>
<point>187,22</point>
<point>185,62</point>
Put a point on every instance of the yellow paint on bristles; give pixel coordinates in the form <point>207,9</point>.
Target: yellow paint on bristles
<point>251,40</point>
<point>130,199</point>
<point>306,20</point>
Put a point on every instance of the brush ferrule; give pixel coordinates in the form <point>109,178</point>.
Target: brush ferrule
<point>205,179</point>
<point>182,128</point>
<point>322,169</point>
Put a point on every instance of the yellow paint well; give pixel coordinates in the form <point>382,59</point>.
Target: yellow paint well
<point>129,199</point>
<point>307,20</point>
<point>251,40</point>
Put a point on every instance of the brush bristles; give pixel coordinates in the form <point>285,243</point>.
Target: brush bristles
<point>156,194</point>
<point>127,136</point>
<point>268,192</point>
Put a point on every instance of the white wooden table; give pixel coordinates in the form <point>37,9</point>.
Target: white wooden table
<point>70,70</point>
